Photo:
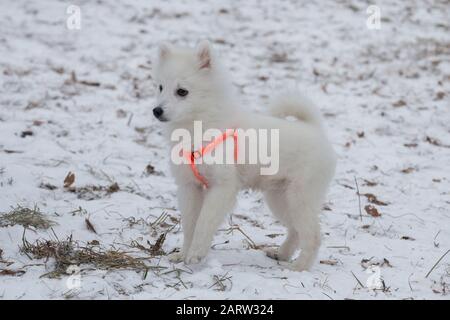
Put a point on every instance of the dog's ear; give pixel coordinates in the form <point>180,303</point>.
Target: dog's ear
<point>164,50</point>
<point>204,54</point>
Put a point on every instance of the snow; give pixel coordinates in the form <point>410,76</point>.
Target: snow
<point>384,94</point>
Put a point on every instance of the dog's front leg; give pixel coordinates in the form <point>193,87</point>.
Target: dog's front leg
<point>219,200</point>
<point>190,200</point>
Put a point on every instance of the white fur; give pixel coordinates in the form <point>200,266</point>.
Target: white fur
<point>306,165</point>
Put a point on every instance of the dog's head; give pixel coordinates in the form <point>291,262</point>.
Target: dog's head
<point>185,79</point>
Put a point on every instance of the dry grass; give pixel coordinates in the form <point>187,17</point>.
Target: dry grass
<point>93,192</point>
<point>68,252</point>
<point>25,217</point>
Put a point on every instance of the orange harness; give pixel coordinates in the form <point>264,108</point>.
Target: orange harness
<point>191,156</point>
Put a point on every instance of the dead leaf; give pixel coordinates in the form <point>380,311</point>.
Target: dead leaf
<point>373,199</point>
<point>360,134</point>
<point>370,183</point>
<point>399,103</point>
<point>69,179</point>
<point>371,210</point>
<point>366,263</point>
<point>26,133</point>
<point>274,235</point>
<point>411,145</point>
<point>439,95</point>
<point>407,238</point>
<point>120,113</point>
<point>408,170</point>
<point>89,83</point>
<point>9,272</point>
<point>435,142</point>
<point>329,262</point>
<point>113,188</point>
<point>38,123</point>
<point>149,169</point>
<point>156,249</point>
<point>47,186</point>
<point>279,57</point>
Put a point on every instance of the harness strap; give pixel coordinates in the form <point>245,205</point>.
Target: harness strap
<point>191,156</point>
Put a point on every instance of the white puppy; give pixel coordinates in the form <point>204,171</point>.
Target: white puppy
<point>192,87</point>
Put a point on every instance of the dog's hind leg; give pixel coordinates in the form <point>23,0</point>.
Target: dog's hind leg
<point>304,214</point>
<point>190,200</point>
<point>277,203</point>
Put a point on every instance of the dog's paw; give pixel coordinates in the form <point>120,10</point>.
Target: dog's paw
<point>195,256</point>
<point>193,259</point>
<point>295,266</point>
<point>176,257</point>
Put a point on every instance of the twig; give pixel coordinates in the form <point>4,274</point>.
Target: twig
<point>359,198</point>
<point>409,282</point>
<point>437,262</point>
<point>328,296</point>
<point>359,282</point>
<point>90,226</point>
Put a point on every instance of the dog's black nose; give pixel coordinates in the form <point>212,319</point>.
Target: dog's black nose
<point>158,111</point>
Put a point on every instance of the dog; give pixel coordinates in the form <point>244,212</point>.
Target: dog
<point>192,86</point>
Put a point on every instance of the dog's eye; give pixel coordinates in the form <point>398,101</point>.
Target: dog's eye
<point>160,88</point>
<point>182,92</point>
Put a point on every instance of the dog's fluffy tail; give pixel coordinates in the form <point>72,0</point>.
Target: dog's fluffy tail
<point>296,105</point>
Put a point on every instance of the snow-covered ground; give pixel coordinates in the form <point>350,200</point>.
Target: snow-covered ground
<point>81,101</point>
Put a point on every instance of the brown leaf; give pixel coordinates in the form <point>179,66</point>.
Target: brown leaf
<point>407,238</point>
<point>366,263</point>
<point>90,226</point>
<point>408,170</point>
<point>274,235</point>
<point>371,210</point>
<point>399,103</point>
<point>149,169</point>
<point>156,249</point>
<point>411,145</point>
<point>113,188</point>
<point>360,134</point>
<point>26,133</point>
<point>9,272</point>
<point>435,142</point>
<point>329,262</point>
<point>373,199</point>
<point>89,83</point>
<point>370,183</point>
<point>69,180</point>
<point>440,95</point>
<point>47,186</point>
